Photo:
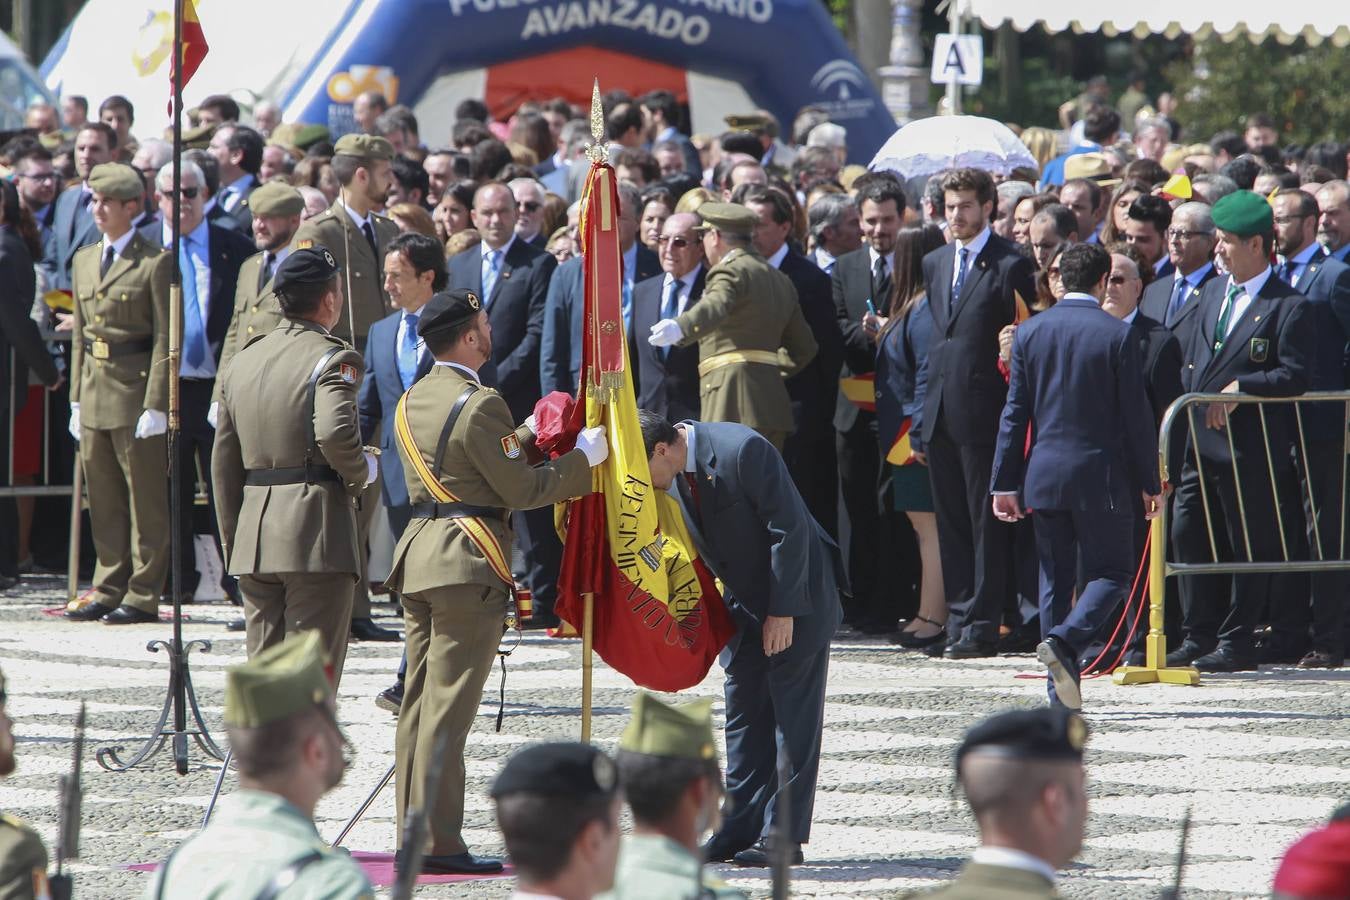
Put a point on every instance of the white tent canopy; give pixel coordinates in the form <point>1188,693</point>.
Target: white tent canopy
<point>1256,19</point>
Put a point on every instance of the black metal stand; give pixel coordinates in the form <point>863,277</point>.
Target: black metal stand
<point>365,805</point>
<point>181,697</point>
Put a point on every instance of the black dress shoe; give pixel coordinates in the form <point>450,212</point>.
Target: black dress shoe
<point>1059,662</point>
<point>761,854</point>
<point>1273,654</point>
<point>1321,659</point>
<point>238,624</point>
<point>1019,640</point>
<point>717,850</point>
<point>1187,653</point>
<point>970,649</point>
<point>460,864</point>
<point>129,615</point>
<point>1225,659</point>
<point>391,698</point>
<point>90,612</point>
<point>912,641</point>
<point>937,648</point>
<point>366,630</point>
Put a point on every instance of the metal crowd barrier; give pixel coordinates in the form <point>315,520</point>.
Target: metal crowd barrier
<point>1194,407</point>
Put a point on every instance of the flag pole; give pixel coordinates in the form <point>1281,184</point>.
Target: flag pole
<point>587,658</point>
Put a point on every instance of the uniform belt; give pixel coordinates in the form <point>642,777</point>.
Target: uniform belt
<point>101,349</point>
<point>313,474</point>
<point>737,357</point>
<point>457,511</point>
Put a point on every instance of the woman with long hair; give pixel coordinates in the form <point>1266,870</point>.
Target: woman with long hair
<point>1114,229</point>
<point>902,347</point>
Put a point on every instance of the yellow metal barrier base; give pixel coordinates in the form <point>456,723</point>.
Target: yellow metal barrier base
<point>1155,670</point>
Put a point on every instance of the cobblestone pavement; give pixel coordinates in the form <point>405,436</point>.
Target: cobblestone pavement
<point>1258,758</point>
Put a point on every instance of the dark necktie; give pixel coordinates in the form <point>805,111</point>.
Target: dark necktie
<point>269,264</point>
<point>670,306</point>
<point>108,255</point>
<point>1288,271</point>
<point>881,284</point>
<point>690,488</point>
<point>1174,305</point>
<point>369,232</point>
<point>960,275</point>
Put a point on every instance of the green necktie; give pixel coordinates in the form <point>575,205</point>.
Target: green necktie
<point>1225,311</point>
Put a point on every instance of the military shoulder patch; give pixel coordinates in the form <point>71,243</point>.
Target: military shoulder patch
<point>347,372</point>
<point>511,446</point>
<point>304,244</point>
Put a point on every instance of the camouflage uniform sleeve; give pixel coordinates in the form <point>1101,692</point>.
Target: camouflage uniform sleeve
<point>493,445</point>
<point>337,426</point>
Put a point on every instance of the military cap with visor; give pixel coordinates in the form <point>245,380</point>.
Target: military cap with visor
<point>1035,735</point>
<point>116,181</point>
<point>1244,213</point>
<point>447,310</point>
<point>679,732</point>
<point>276,198</point>
<point>559,769</point>
<point>366,147</point>
<point>279,682</point>
<point>729,218</point>
<point>306,265</point>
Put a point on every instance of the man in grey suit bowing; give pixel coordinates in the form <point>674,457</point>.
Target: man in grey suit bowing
<point>782,576</point>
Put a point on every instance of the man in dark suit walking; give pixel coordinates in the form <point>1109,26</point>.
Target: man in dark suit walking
<point>809,451</point>
<point>860,276</point>
<point>73,221</point>
<point>560,346</point>
<point>973,286</point>
<point>1253,335</point>
<point>512,279</point>
<point>1076,374</point>
<point>1325,282</point>
<point>782,576</point>
<point>209,258</point>
<point>1190,250</point>
<point>666,378</point>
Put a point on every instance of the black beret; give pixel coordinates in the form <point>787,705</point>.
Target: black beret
<point>313,264</point>
<point>562,769</point>
<point>1050,733</point>
<point>448,309</point>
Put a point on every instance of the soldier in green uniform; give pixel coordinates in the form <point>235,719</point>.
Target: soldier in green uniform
<point>23,859</point>
<point>276,216</point>
<point>673,784</point>
<point>749,326</point>
<point>466,468</point>
<point>289,750</point>
<point>1022,774</point>
<point>358,238</point>
<point>288,464</point>
<point>119,391</point>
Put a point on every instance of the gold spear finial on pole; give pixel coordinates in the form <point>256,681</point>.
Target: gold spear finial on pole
<point>598,151</point>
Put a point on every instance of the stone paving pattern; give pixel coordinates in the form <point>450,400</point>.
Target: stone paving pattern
<point>1259,758</point>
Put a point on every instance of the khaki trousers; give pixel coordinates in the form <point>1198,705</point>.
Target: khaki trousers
<point>277,605</point>
<point>128,484</point>
<point>452,636</point>
<point>365,514</point>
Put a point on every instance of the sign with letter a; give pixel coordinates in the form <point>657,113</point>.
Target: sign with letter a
<point>958,57</point>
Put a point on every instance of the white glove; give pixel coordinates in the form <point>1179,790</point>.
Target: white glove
<point>666,333</point>
<point>152,422</point>
<point>213,413</point>
<point>530,424</point>
<point>372,467</point>
<point>74,426</point>
<point>592,442</point>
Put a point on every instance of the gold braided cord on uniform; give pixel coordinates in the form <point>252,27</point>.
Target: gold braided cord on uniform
<point>479,533</point>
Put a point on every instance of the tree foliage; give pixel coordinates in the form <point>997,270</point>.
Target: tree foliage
<point>1306,89</point>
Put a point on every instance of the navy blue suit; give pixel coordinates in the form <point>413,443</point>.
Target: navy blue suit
<point>560,348</point>
<point>72,227</point>
<point>1268,352</point>
<point>755,533</point>
<point>1076,374</point>
<point>380,392</point>
<point>1158,296</point>
<point>665,379</point>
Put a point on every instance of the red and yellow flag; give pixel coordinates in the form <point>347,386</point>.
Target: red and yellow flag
<point>658,617</point>
<point>194,44</point>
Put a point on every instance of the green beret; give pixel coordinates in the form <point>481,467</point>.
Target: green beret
<point>367,147</point>
<point>447,310</point>
<point>288,678</point>
<point>1046,734</point>
<point>1244,213</point>
<point>198,138</point>
<point>657,729</point>
<point>731,218</point>
<point>116,181</point>
<point>276,198</point>
<point>562,769</point>
<point>308,264</point>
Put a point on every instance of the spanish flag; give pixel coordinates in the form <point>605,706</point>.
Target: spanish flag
<point>901,452</point>
<point>658,616</point>
<point>861,390</point>
<point>194,44</point>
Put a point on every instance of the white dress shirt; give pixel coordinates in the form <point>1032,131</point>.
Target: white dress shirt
<point>1246,291</point>
<point>232,194</point>
<point>464,369</point>
<point>777,259</point>
<point>975,246</point>
<point>119,245</point>
<point>1009,858</point>
<point>686,288</point>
